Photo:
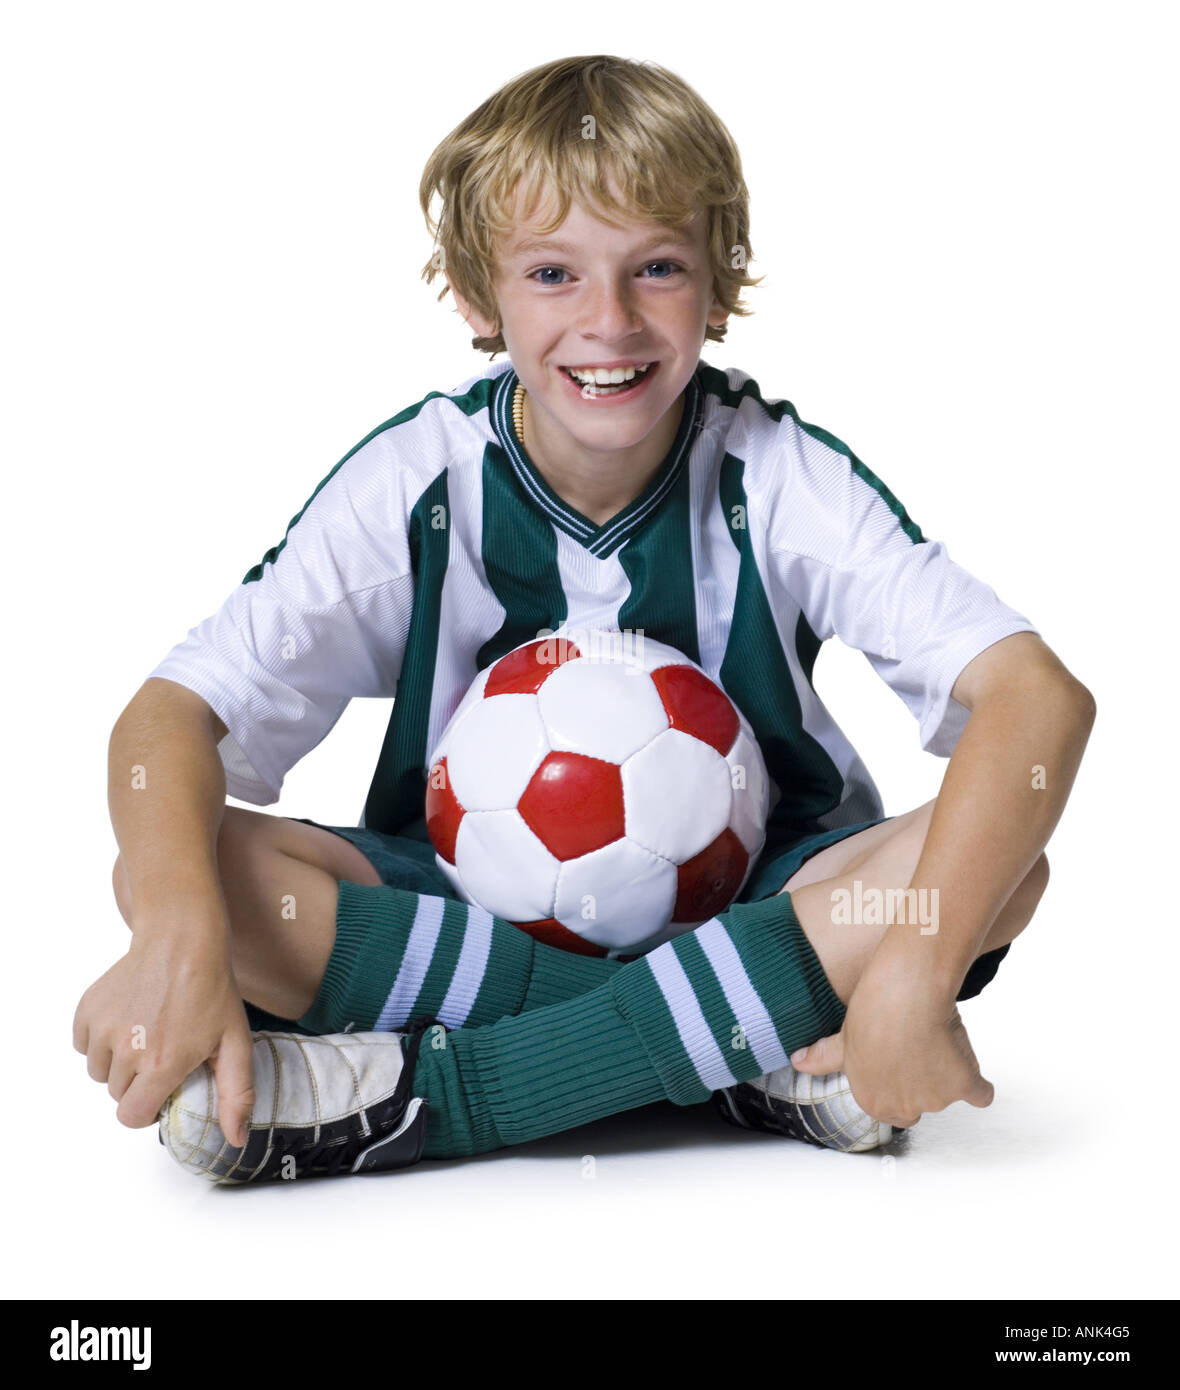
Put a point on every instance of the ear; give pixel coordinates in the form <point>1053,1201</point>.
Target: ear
<point>479,325</point>
<point>718,315</point>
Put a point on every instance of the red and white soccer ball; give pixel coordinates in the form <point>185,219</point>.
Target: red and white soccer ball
<point>598,790</point>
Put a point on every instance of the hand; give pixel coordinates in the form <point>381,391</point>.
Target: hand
<point>903,1046</point>
<point>154,1017</point>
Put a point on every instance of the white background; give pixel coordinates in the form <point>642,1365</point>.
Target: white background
<point>965,218</point>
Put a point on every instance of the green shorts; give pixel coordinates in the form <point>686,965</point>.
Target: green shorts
<point>407,861</point>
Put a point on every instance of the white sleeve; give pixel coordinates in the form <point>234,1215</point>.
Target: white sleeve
<point>324,617</point>
<point>860,570</point>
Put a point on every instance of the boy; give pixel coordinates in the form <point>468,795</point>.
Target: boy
<point>604,476</point>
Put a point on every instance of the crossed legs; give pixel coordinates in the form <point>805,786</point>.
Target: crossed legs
<point>280,881</point>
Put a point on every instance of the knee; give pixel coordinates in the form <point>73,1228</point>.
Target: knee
<point>236,841</point>
<point>1024,901</point>
<point>1037,879</point>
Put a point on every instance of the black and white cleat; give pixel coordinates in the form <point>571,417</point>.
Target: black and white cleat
<point>335,1104</point>
<point>816,1109</point>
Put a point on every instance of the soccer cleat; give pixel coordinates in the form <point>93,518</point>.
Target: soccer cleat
<point>333,1104</point>
<point>817,1109</point>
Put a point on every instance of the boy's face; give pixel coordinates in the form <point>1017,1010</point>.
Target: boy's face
<point>593,295</point>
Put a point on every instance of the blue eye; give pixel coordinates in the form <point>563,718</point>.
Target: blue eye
<point>672,267</point>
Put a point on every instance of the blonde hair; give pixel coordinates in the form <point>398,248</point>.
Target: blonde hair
<point>574,127</point>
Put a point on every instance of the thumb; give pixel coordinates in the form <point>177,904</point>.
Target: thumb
<point>822,1057</point>
<point>233,1072</point>
<point>982,1092</point>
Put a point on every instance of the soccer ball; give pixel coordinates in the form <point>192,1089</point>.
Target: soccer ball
<point>602,794</point>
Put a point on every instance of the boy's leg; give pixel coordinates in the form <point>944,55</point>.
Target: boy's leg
<point>327,938</point>
<point>750,981</point>
<point>321,944</point>
<point>726,1003</point>
<point>885,856</point>
<point>821,1108</point>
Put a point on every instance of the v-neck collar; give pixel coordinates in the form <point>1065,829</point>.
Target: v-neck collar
<point>598,540</point>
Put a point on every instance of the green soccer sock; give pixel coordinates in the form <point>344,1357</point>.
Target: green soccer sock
<point>400,955</point>
<point>725,1003</point>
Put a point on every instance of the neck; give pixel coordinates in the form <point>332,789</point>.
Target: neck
<point>598,483</point>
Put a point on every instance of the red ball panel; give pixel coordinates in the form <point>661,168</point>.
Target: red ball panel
<point>552,933</point>
<point>525,670</point>
<point>696,706</point>
<point>574,804</point>
<point>443,812</point>
<point>706,883</point>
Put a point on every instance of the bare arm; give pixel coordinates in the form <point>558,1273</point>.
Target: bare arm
<point>1004,791</point>
<point>166,793</point>
<point>902,1044</point>
<point>171,1002</point>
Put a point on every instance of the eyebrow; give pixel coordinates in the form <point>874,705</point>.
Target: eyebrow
<point>528,247</point>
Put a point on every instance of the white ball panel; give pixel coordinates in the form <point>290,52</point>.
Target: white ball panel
<point>748,818</point>
<point>504,867</point>
<point>650,655</point>
<point>609,645</point>
<point>495,748</point>
<point>676,795</point>
<point>453,877</point>
<point>599,709</point>
<point>633,893</point>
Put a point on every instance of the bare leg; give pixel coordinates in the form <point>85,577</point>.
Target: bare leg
<point>280,881</point>
<point>883,857</point>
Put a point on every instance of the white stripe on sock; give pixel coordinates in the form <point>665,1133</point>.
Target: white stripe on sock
<point>469,968</point>
<point>695,1035</point>
<point>415,963</point>
<point>749,1010</point>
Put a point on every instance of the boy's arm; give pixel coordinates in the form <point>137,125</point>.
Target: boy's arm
<point>902,1045</point>
<point>322,618</point>
<point>171,1002</point>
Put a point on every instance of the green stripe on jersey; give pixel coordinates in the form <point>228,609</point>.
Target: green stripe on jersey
<point>755,674</point>
<point>518,547</point>
<point>807,646</point>
<point>863,471</point>
<point>658,562</point>
<point>716,382</point>
<point>398,789</point>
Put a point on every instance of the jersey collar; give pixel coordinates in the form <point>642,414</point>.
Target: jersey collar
<point>598,540</point>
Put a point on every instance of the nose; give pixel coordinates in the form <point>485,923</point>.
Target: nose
<point>609,312</point>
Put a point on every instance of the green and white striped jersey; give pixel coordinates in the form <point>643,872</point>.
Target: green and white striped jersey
<point>435,546</point>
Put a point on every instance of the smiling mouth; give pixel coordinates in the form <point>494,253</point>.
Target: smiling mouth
<point>608,381</point>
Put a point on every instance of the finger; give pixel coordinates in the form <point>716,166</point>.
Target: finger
<point>233,1071</point>
<point>98,1062</point>
<point>81,1031</point>
<point>143,1099</point>
<point>822,1057</point>
<point>122,1075</point>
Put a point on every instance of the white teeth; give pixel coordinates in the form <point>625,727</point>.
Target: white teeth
<point>607,376</point>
